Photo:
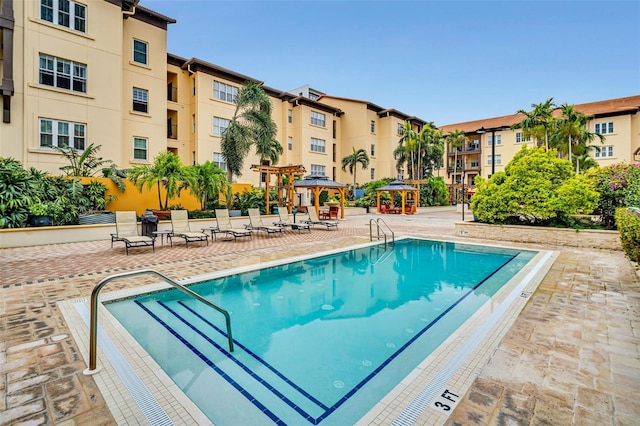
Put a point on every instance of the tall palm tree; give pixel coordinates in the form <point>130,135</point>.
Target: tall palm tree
<point>572,127</point>
<point>267,147</point>
<point>251,124</point>
<point>456,139</point>
<point>406,148</point>
<point>537,121</point>
<point>431,149</point>
<point>167,171</point>
<point>351,161</point>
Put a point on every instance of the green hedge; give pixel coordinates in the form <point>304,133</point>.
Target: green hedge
<point>628,223</point>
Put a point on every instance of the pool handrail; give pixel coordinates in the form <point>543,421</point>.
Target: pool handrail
<point>93,323</point>
<point>379,228</point>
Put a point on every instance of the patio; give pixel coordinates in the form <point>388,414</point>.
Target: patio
<point>571,357</point>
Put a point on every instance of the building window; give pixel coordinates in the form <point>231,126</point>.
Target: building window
<point>400,130</point>
<point>317,169</point>
<point>65,13</point>
<point>400,174</point>
<point>64,74</point>
<point>193,123</point>
<point>373,150</point>
<point>373,126</point>
<point>290,116</point>
<point>140,100</point>
<point>521,139</point>
<point>140,52</point>
<point>604,128</point>
<point>317,119</point>
<point>224,92</point>
<point>498,140</point>
<point>605,152</point>
<point>219,161</point>
<point>317,145</point>
<point>373,173</point>
<point>140,149</point>
<point>290,143</point>
<point>62,133</point>
<point>220,125</point>
<point>498,160</point>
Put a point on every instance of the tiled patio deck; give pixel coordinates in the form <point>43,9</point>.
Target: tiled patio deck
<point>572,356</point>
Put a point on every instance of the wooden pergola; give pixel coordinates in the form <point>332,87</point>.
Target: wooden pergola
<point>280,171</point>
<point>318,183</point>
<point>404,190</point>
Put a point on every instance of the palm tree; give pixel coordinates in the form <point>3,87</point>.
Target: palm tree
<point>537,122</point>
<point>572,128</point>
<point>208,182</point>
<point>456,139</point>
<point>430,149</point>
<point>251,124</point>
<point>351,161</point>
<point>406,148</point>
<point>168,171</point>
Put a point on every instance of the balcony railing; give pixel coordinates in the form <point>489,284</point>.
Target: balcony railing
<point>172,93</point>
<point>172,131</point>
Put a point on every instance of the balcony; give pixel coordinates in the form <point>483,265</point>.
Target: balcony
<point>172,93</point>
<point>172,131</point>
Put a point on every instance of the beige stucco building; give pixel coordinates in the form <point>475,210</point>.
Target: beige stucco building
<point>98,72</point>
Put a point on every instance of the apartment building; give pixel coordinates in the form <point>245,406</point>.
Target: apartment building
<point>618,120</point>
<point>83,72</point>
<point>78,73</point>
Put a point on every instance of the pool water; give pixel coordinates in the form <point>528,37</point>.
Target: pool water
<point>318,341</point>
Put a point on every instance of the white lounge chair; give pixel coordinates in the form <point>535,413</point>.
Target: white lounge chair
<point>256,223</point>
<point>314,220</point>
<point>180,228</point>
<point>224,225</point>
<point>285,221</point>
<point>127,231</point>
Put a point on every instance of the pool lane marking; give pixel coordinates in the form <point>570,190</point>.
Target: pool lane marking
<point>211,364</point>
<point>256,357</point>
<point>149,406</point>
<point>358,386</point>
<point>426,396</point>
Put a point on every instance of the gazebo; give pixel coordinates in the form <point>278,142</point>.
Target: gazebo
<point>318,183</point>
<point>404,190</point>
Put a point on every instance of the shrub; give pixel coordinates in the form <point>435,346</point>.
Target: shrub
<point>629,226</point>
<point>619,186</point>
<point>434,193</point>
<point>536,187</point>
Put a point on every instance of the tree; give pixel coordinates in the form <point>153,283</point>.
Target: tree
<point>87,163</point>
<point>351,161</point>
<point>537,121</point>
<point>251,124</point>
<point>431,150</point>
<point>536,187</point>
<point>404,152</point>
<point>456,139</point>
<point>167,171</point>
<point>570,128</point>
<point>208,182</point>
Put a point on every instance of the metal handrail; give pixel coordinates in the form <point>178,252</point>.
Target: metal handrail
<point>93,324</point>
<point>379,228</point>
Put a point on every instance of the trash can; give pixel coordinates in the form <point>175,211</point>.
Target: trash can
<point>149,223</point>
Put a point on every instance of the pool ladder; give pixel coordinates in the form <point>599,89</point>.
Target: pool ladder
<point>93,325</point>
<point>380,229</point>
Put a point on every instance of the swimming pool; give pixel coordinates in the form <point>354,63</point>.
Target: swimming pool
<point>318,341</point>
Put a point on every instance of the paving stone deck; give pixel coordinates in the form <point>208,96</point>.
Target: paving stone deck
<point>571,357</point>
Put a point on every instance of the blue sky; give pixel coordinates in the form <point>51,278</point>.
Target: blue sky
<point>442,61</point>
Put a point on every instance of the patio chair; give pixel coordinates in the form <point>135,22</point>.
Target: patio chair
<point>127,232</point>
<point>314,220</point>
<point>225,227</point>
<point>331,214</point>
<point>256,223</point>
<point>180,228</point>
<point>285,221</point>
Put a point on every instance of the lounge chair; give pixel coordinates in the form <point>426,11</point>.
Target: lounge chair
<point>256,223</point>
<point>180,228</point>
<point>285,221</point>
<point>225,226</point>
<point>313,220</point>
<point>127,232</point>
